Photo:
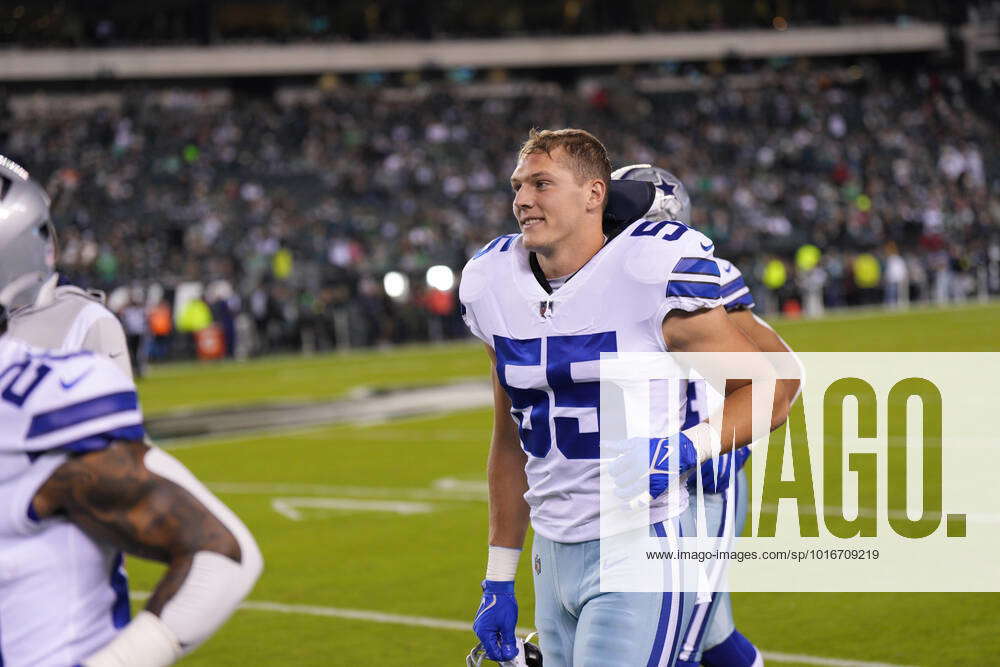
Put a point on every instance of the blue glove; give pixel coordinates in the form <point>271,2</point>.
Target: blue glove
<point>496,619</point>
<point>716,474</point>
<point>644,465</point>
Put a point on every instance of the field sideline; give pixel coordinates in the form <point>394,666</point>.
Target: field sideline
<point>196,386</point>
<point>370,530</point>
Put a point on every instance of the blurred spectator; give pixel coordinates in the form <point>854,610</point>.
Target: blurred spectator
<point>304,201</point>
<point>133,318</point>
<point>897,281</point>
<point>161,327</point>
<point>103,24</point>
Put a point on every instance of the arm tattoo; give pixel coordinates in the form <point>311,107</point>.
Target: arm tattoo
<point>111,496</point>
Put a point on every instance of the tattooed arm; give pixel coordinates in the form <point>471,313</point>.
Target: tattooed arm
<point>141,500</point>
<point>111,496</point>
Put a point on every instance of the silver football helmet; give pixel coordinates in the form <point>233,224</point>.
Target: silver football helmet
<point>27,238</point>
<point>671,201</point>
<point>528,655</point>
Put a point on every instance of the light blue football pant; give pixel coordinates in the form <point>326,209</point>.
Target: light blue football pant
<point>712,622</point>
<point>579,626</point>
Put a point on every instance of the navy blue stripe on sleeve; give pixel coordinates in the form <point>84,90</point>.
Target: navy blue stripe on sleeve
<point>492,244</point>
<point>745,301</point>
<point>693,289</point>
<point>71,415</point>
<point>134,433</point>
<point>697,265</point>
<point>732,286</point>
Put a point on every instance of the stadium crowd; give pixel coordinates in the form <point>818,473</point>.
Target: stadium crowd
<point>828,188</point>
<point>105,23</point>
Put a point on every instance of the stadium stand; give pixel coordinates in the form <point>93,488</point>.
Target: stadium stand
<point>281,203</point>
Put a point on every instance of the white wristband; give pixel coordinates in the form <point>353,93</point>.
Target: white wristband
<point>706,441</point>
<point>145,642</point>
<point>501,564</point>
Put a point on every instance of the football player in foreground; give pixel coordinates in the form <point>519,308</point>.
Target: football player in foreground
<point>39,306</point>
<point>77,488</point>
<point>711,637</point>
<point>546,302</point>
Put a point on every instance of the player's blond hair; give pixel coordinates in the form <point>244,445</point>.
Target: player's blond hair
<point>585,154</point>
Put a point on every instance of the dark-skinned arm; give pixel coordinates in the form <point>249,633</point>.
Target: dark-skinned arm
<point>767,340</point>
<point>112,497</point>
<point>143,501</point>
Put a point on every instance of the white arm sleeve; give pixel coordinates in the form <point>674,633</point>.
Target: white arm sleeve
<point>213,589</point>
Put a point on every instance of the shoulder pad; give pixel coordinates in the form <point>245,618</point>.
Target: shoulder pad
<point>70,291</point>
<point>476,273</point>
<point>656,248</point>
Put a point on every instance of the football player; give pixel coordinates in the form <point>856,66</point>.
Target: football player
<point>711,637</point>
<point>546,302</point>
<point>77,488</point>
<point>39,307</point>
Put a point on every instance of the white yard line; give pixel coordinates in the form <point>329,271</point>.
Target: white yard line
<point>289,507</point>
<point>466,626</point>
<point>450,488</point>
<point>386,492</point>
<point>823,662</point>
<point>874,312</point>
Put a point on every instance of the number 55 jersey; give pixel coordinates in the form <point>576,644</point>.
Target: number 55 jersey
<point>548,348</point>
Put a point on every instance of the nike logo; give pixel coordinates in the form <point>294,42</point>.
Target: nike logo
<point>664,456</point>
<point>729,268</point>
<point>708,247</point>
<point>116,355</point>
<point>69,385</point>
<point>486,608</point>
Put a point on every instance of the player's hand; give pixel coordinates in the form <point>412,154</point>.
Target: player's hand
<point>496,620</point>
<point>642,467</point>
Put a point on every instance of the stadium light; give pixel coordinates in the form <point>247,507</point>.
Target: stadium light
<point>440,277</point>
<point>395,284</point>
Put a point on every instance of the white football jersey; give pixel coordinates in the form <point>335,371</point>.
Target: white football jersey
<point>67,318</point>
<point>548,348</point>
<point>62,596</point>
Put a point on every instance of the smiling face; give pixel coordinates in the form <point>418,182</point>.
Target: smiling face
<point>551,201</point>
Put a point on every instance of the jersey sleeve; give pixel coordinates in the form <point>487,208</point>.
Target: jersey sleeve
<point>670,267</point>
<point>17,516</point>
<point>734,291</point>
<point>469,317</point>
<point>474,284</point>
<point>694,279</point>
<point>70,403</point>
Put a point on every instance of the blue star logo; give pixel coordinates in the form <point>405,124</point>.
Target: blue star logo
<point>665,188</point>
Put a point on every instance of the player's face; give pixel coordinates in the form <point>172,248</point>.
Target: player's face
<point>549,199</point>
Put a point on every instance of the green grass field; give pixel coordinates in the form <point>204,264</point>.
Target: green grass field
<point>327,566</point>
